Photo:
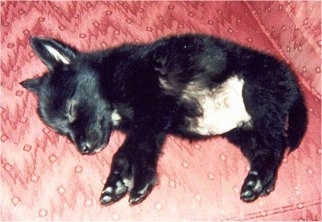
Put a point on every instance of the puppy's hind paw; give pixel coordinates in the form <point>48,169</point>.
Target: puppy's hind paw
<point>254,187</point>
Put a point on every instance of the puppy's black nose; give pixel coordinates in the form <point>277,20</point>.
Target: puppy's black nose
<point>85,148</point>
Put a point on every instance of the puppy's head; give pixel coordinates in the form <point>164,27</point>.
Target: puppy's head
<point>70,98</point>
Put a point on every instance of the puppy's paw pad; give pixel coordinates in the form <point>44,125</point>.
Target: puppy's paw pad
<point>105,199</point>
<point>255,186</point>
<point>113,193</point>
<point>252,187</point>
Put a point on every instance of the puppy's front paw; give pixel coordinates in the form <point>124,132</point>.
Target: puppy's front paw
<point>114,189</point>
<point>144,183</point>
<point>127,176</point>
<point>119,181</point>
<point>255,186</point>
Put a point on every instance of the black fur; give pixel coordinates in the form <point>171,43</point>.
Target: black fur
<point>80,92</point>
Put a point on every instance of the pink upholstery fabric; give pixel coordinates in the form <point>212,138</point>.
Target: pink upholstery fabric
<point>44,178</point>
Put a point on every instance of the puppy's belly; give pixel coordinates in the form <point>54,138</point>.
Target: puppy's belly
<point>222,109</point>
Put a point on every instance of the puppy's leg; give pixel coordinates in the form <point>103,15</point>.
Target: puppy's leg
<point>264,153</point>
<point>134,167</point>
<point>119,180</point>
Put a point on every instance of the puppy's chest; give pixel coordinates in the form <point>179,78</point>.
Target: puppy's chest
<point>218,110</point>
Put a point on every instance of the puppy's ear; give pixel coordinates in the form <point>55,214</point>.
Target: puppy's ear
<point>53,52</point>
<point>33,85</point>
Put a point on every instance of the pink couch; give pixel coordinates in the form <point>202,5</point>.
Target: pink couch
<point>43,177</point>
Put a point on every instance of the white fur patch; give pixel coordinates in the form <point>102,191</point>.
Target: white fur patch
<point>116,118</point>
<point>57,55</point>
<point>222,108</point>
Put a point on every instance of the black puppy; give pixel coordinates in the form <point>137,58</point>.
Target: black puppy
<point>194,86</point>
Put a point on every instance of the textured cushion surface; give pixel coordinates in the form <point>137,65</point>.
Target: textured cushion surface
<point>43,177</point>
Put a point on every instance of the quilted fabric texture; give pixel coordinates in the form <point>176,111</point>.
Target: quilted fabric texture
<point>43,177</point>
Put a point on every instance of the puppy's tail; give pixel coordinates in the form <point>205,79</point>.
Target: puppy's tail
<point>297,123</point>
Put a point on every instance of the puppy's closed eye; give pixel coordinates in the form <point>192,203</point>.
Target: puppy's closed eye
<point>71,112</point>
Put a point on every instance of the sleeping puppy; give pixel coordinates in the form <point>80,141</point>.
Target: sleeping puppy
<point>192,86</point>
